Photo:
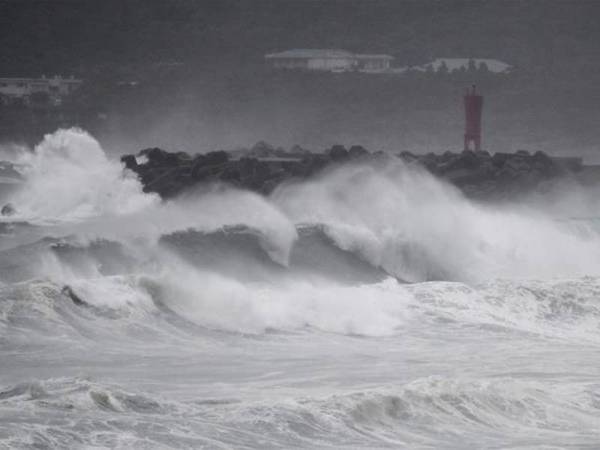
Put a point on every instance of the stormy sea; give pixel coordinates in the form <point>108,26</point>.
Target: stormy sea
<point>370,307</point>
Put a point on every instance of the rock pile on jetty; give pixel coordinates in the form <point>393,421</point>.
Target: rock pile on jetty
<point>478,174</point>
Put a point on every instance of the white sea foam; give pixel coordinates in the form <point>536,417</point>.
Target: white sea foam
<point>419,228</point>
<point>69,178</point>
<point>161,345</point>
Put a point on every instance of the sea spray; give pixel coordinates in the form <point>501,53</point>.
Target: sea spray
<point>69,178</point>
<point>230,319</point>
<point>419,228</point>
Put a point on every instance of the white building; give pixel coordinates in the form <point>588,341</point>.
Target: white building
<point>23,88</point>
<point>373,63</point>
<point>458,64</point>
<point>331,60</point>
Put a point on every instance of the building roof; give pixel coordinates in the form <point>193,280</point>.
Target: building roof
<point>307,53</point>
<point>373,56</point>
<point>37,80</point>
<point>452,64</point>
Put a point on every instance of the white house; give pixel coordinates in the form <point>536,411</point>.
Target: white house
<point>373,63</point>
<point>22,88</point>
<point>331,60</point>
<point>457,64</point>
<point>312,59</point>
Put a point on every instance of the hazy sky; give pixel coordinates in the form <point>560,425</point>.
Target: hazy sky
<point>221,95</point>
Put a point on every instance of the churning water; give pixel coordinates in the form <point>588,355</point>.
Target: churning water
<point>374,307</point>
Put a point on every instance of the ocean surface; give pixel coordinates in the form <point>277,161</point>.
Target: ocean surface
<point>372,307</point>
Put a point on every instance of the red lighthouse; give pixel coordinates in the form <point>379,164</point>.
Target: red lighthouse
<point>473,108</point>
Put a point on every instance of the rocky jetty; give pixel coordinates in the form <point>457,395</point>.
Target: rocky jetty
<point>478,174</point>
<point>501,175</point>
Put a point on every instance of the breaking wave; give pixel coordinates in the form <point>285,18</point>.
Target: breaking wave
<point>69,178</point>
<point>366,280</point>
<point>421,414</point>
<point>331,253</point>
<point>184,299</point>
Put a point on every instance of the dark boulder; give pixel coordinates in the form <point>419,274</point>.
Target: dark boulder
<point>129,161</point>
<point>465,161</point>
<point>477,174</point>
<point>298,151</point>
<point>280,152</point>
<point>183,157</point>
<point>168,183</point>
<point>542,163</point>
<point>499,159</point>
<point>338,153</point>
<point>448,156</point>
<point>314,163</point>
<point>204,172</point>
<point>518,162</point>
<point>262,149</point>
<point>408,157</point>
<point>380,154</point>
<point>430,162</point>
<point>231,174</point>
<point>294,168</point>
<point>246,167</point>
<point>218,157</point>
<point>468,159</point>
<point>158,157</point>
<point>70,293</point>
<point>209,165</point>
<point>270,185</point>
<point>262,172</point>
<point>357,151</point>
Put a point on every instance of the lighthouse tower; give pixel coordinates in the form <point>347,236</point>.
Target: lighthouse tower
<point>473,108</point>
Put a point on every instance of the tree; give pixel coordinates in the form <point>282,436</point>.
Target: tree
<point>472,67</point>
<point>443,69</point>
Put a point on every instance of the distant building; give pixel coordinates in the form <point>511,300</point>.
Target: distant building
<point>53,89</point>
<point>331,60</point>
<point>312,59</point>
<point>459,64</point>
<point>373,63</point>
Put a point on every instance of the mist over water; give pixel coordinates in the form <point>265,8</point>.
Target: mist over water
<point>373,306</point>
